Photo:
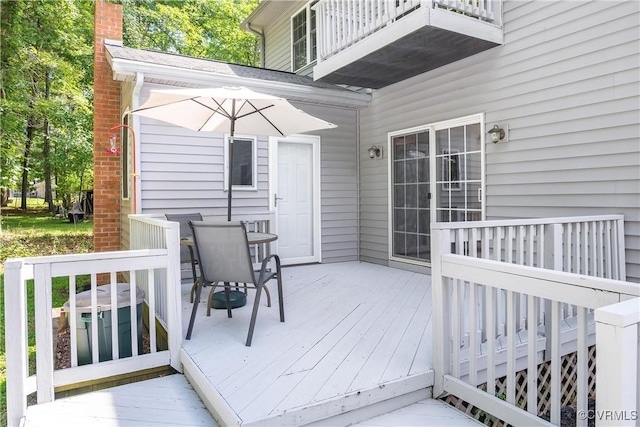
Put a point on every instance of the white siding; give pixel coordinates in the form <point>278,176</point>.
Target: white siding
<point>566,84</point>
<point>182,171</point>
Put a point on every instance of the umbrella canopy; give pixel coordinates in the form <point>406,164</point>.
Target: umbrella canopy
<point>230,110</point>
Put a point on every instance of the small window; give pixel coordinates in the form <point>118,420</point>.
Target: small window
<point>303,37</point>
<point>244,163</point>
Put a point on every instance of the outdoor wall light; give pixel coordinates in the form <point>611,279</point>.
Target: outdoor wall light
<point>497,134</point>
<point>375,152</point>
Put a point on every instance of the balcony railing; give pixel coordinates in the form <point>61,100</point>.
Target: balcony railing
<point>343,23</point>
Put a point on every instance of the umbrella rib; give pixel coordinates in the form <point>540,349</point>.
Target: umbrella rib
<point>259,111</point>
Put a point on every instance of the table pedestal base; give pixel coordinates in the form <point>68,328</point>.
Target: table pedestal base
<point>238,299</point>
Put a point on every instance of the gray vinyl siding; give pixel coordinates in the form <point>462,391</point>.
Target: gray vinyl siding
<point>338,183</point>
<point>566,82</point>
<point>182,171</point>
<point>278,41</point>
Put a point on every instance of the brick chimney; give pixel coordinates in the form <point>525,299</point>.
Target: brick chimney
<point>106,114</point>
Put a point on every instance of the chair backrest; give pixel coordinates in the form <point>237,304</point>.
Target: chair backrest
<point>185,230</point>
<point>223,251</point>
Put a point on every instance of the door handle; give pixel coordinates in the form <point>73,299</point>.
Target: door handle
<point>275,199</point>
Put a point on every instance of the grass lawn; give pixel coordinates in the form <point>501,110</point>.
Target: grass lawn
<point>35,233</point>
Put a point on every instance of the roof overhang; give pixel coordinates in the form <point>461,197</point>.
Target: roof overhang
<point>266,12</point>
<point>128,69</point>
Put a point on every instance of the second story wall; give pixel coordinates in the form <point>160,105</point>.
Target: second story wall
<point>278,40</point>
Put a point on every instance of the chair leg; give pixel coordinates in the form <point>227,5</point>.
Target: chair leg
<point>254,314</point>
<point>194,310</point>
<point>280,300</point>
<point>266,291</point>
<point>215,285</point>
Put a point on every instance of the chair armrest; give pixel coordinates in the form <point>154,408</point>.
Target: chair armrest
<point>265,265</point>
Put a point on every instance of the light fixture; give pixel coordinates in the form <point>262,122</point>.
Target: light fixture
<point>375,152</point>
<point>497,134</point>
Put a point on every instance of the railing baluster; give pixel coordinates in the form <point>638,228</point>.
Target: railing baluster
<point>133,302</point>
<point>511,347</point>
<point>115,345</point>
<point>473,335</point>
<point>582,369</point>
<point>532,353</point>
<point>95,357</point>
<point>555,363</point>
<point>72,317</point>
<point>491,341</point>
<point>152,309</point>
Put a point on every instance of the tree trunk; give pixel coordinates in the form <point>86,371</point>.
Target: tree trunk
<point>46,151</point>
<point>25,163</point>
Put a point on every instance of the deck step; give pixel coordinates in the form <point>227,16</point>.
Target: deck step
<point>166,401</point>
<point>428,412</point>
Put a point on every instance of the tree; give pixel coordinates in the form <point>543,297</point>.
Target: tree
<point>199,28</point>
<point>46,46</point>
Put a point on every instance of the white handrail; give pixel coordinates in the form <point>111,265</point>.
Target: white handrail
<point>489,275</point>
<point>102,267</point>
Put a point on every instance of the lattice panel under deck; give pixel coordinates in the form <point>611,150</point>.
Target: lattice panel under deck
<point>568,387</point>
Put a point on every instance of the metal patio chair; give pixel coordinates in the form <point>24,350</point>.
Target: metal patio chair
<point>223,252</point>
<point>187,253</point>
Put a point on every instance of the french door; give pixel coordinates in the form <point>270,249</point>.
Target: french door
<point>436,174</point>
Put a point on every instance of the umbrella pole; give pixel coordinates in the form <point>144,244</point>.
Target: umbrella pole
<point>233,126</point>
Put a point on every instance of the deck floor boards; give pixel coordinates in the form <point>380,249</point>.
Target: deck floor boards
<point>166,401</point>
<point>349,327</point>
<point>356,336</point>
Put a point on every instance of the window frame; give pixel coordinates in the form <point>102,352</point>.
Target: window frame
<point>254,161</point>
<point>311,57</point>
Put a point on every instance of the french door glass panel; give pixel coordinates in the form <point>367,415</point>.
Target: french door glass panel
<point>458,171</point>
<point>411,204</point>
<point>453,195</point>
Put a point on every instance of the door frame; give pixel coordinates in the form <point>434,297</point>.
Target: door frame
<point>431,128</point>
<point>315,143</point>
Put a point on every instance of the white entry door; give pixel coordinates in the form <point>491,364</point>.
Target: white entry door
<point>296,198</point>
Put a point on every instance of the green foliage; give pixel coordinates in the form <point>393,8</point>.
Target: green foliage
<point>46,58</point>
<point>37,234</point>
<point>200,28</point>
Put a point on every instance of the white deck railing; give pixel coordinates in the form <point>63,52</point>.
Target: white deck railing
<point>499,308</point>
<point>341,24</point>
<point>102,268</point>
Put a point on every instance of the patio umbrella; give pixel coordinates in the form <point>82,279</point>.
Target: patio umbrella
<point>231,110</point>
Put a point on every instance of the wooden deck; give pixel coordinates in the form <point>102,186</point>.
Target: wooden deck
<point>167,401</point>
<point>355,348</point>
<point>356,334</point>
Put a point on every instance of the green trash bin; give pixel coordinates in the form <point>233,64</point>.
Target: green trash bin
<point>84,321</point>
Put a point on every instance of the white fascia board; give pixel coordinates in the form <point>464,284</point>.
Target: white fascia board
<point>126,70</point>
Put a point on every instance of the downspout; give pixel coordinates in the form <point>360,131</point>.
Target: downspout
<point>135,103</point>
<point>260,34</point>
<point>358,182</point>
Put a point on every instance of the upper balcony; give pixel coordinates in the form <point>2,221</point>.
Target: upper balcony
<point>375,43</point>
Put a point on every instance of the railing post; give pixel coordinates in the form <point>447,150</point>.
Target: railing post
<point>441,355</point>
<point>174,295</point>
<point>15,311</point>
<point>617,363</point>
<point>552,261</point>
